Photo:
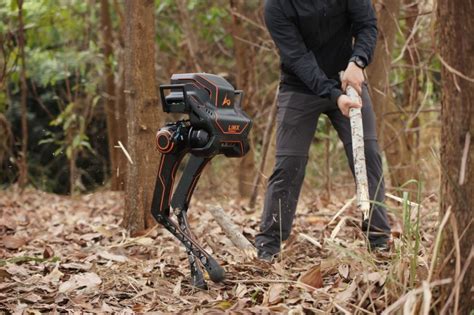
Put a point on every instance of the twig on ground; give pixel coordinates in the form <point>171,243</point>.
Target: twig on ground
<point>311,240</point>
<point>232,231</point>
<point>338,228</point>
<point>341,211</point>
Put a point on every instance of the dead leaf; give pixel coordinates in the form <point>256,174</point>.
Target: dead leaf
<point>90,236</point>
<point>77,266</point>
<point>138,308</point>
<point>347,293</point>
<point>84,281</point>
<point>279,309</point>
<point>145,241</point>
<point>17,270</point>
<point>378,277</point>
<point>177,287</point>
<point>113,257</point>
<point>48,252</point>
<point>241,290</point>
<point>54,276</point>
<point>329,266</point>
<point>104,231</point>
<point>33,298</point>
<point>249,231</point>
<point>8,223</point>
<point>279,269</point>
<point>4,275</point>
<point>106,308</point>
<point>312,277</point>
<point>224,305</point>
<point>274,293</point>
<point>13,242</point>
<point>316,219</point>
<point>344,270</point>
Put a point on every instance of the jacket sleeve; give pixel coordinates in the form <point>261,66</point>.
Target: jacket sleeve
<point>364,28</point>
<point>294,54</point>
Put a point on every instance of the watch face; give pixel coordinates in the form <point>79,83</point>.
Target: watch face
<point>358,61</point>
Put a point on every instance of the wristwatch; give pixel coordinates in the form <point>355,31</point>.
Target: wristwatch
<point>359,62</point>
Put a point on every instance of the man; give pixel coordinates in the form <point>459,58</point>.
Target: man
<point>316,40</point>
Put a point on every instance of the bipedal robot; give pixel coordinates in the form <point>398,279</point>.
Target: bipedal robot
<point>216,125</point>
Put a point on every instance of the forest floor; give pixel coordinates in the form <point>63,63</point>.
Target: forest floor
<point>61,254</point>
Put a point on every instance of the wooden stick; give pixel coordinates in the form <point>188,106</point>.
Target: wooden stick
<point>341,211</point>
<point>401,200</point>
<point>232,231</point>
<point>311,240</point>
<point>357,130</point>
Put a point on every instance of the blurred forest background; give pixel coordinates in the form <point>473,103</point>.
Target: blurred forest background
<point>67,79</point>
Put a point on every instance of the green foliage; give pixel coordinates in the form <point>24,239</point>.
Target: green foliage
<point>69,120</point>
<point>63,67</point>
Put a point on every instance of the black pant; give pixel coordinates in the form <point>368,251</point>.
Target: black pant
<point>297,119</point>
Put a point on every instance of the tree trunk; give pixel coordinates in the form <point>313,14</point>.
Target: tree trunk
<point>244,64</point>
<point>378,76</point>
<point>109,96</point>
<point>6,139</point>
<point>456,48</point>
<point>142,113</point>
<point>23,163</point>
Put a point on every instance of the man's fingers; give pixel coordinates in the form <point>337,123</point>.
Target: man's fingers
<point>355,105</point>
<point>359,88</point>
<point>345,112</point>
<point>344,85</point>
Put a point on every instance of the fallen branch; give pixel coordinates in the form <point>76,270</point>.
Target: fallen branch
<point>341,211</point>
<point>311,240</point>
<point>232,231</point>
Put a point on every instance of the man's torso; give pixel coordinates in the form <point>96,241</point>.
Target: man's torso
<point>326,31</point>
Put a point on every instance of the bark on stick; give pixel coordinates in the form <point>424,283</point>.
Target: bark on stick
<point>360,170</point>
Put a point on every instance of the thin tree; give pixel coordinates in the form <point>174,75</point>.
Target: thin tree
<point>142,112</point>
<point>456,52</point>
<point>245,58</point>
<point>23,164</point>
<point>111,109</point>
<point>120,101</point>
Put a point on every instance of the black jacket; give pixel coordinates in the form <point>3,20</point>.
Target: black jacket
<point>315,40</point>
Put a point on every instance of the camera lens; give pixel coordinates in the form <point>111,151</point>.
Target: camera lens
<point>163,140</point>
<point>199,138</point>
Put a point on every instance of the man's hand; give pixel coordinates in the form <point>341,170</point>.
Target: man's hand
<point>345,103</point>
<point>353,76</point>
